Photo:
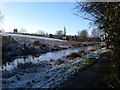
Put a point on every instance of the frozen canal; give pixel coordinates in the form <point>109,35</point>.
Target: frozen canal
<point>45,75</point>
<point>43,57</point>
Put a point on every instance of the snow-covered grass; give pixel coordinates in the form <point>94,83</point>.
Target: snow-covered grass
<point>30,37</point>
<point>49,75</point>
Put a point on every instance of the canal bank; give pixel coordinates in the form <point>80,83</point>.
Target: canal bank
<point>47,75</point>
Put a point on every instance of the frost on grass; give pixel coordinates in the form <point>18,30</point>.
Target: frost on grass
<point>48,75</point>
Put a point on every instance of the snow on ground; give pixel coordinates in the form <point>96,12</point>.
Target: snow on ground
<point>45,75</point>
<point>31,37</point>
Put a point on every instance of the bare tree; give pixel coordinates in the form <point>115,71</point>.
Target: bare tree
<point>83,33</point>
<point>59,34</point>
<point>41,32</point>
<point>1,16</point>
<point>2,30</point>
<point>96,33</point>
<point>22,30</point>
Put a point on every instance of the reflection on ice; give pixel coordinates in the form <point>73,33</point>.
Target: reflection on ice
<point>44,57</point>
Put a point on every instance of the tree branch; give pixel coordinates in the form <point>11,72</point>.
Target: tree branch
<point>84,17</point>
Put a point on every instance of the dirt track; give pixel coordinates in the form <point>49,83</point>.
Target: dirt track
<point>88,77</point>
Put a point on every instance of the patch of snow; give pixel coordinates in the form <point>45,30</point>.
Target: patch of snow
<point>32,37</point>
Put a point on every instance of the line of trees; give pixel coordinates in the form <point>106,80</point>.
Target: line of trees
<point>82,35</point>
